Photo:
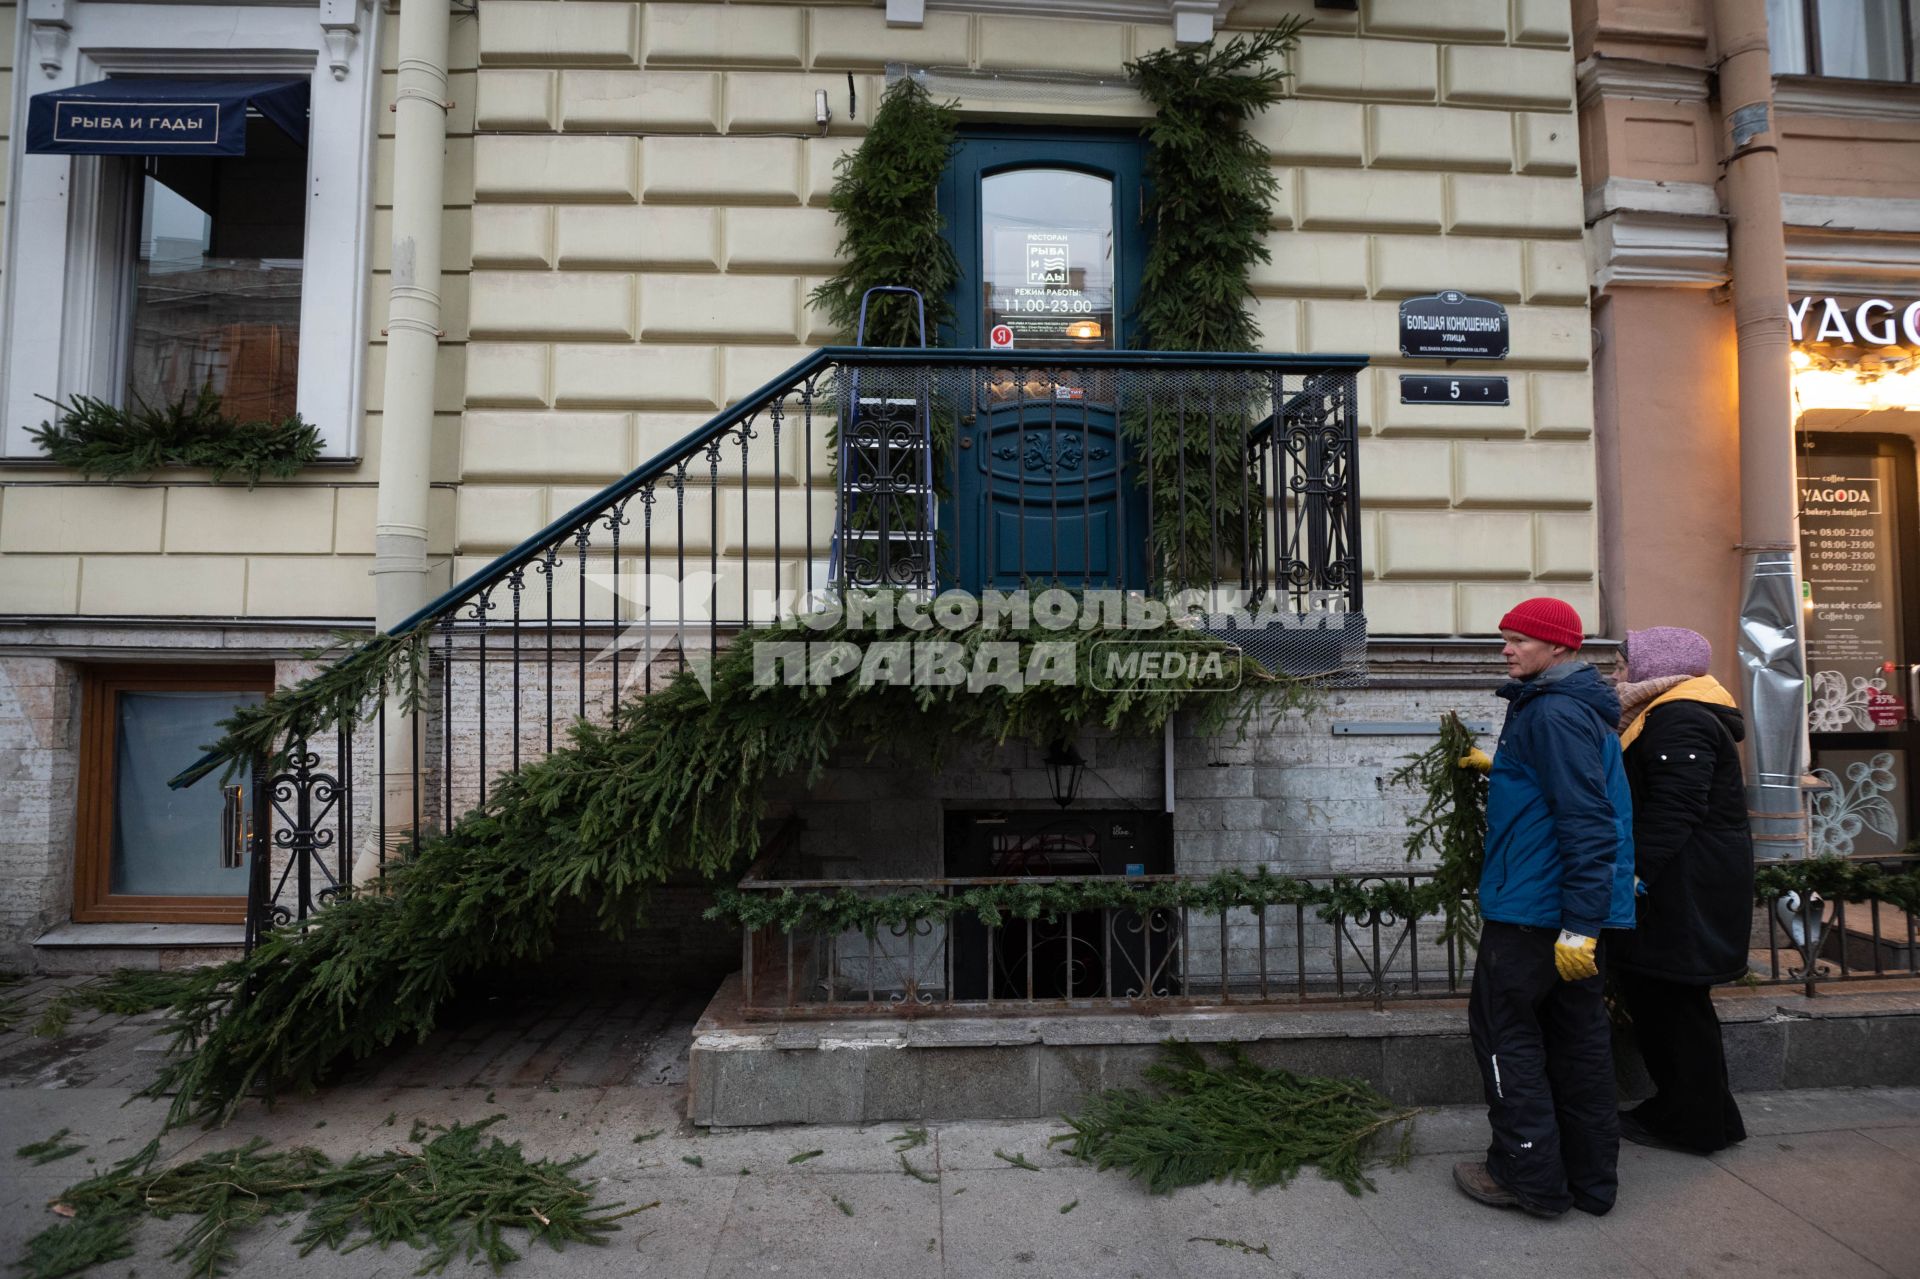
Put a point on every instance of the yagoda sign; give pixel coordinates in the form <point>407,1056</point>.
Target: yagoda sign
<point>1855,322</point>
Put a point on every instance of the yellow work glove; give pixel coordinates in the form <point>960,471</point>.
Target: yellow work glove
<point>1573,956</point>
<point>1476,759</point>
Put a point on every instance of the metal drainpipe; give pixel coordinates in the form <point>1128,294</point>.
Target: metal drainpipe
<point>413,313</point>
<point>1772,658</point>
<point>401,583</point>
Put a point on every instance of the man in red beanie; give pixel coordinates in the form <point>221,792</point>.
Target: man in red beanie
<point>1558,870</point>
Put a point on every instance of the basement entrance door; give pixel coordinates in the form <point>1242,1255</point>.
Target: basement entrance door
<point>1048,233</point>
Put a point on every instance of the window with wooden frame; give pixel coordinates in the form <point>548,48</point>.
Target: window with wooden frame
<point>142,852</point>
<point>1843,39</point>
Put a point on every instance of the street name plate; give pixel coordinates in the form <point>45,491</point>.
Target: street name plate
<point>1437,388</point>
<point>1450,325</point>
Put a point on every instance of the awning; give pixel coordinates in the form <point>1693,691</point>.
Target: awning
<point>161,117</point>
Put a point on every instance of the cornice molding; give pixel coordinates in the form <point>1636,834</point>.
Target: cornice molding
<point>1640,195</point>
<point>1851,262</point>
<point>1847,99</point>
<point>1851,213</point>
<point>1668,250</point>
<point>1601,76</point>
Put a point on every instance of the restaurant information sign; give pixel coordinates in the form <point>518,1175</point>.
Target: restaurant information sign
<point>1853,632</point>
<point>1450,325</point>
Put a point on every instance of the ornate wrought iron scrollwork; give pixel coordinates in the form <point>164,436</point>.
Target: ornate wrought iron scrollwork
<point>1043,454</point>
<point>303,802</point>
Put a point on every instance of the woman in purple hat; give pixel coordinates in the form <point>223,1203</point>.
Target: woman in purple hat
<point>1693,853</point>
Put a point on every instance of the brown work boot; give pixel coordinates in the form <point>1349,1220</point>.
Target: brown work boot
<point>1477,1183</point>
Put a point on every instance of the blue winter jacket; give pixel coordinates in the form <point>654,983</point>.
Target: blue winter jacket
<point>1559,813</point>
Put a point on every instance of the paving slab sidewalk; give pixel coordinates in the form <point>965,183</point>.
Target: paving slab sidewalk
<point>1828,1185</point>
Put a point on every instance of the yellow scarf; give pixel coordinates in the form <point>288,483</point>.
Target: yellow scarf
<point>1701,688</point>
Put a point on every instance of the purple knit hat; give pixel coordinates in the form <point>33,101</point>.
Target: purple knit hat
<point>1662,651</point>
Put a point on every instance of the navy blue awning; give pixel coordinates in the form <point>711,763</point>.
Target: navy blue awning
<point>161,117</point>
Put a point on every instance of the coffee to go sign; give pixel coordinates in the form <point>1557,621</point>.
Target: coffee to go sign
<point>1847,322</point>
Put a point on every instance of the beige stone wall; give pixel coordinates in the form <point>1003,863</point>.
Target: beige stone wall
<point>178,546</point>
<point>649,216</point>
<point>636,212</point>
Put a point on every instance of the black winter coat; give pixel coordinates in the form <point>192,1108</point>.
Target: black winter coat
<point>1692,847</point>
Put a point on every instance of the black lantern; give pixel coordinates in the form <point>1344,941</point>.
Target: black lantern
<point>1064,766</point>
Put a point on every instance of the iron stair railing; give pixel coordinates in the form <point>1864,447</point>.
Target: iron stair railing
<point>734,525</point>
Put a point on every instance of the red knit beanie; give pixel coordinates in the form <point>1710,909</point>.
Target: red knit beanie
<point>1545,619</point>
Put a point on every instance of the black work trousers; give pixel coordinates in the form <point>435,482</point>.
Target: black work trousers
<point>1679,1038</point>
<point>1546,1062</point>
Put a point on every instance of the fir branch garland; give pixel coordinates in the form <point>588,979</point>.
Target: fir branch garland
<point>1841,879</point>
<point>1451,826</point>
<point>885,198</point>
<point>1209,205</point>
<point>680,785</point>
<point>97,438</point>
<point>993,904</point>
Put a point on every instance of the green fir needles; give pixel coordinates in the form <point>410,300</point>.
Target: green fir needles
<point>884,197</point>
<point>453,1198</point>
<point>1210,187</point>
<point>1235,1120</point>
<point>97,438</point>
<point>1450,828</point>
<point>680,785</point>
<point>122,992</point>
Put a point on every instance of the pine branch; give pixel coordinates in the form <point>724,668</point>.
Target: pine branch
<point>98,438</point>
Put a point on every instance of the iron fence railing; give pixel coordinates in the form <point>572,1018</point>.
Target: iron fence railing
<point>1152,957</point>
<point>856,468</point>
<point>1808,941</point>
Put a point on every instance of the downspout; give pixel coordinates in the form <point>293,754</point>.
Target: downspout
<point>1772,659</point>
<point>400,580</point>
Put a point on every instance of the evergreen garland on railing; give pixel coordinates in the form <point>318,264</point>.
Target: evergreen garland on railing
<point>97,438</point>
<point>848,910</point>
<point>680,785</point>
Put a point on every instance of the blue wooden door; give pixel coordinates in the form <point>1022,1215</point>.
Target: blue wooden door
<point>1047,231</point>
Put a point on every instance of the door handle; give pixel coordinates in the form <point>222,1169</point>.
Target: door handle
<point>1913,692</point>
<point>235,828</point>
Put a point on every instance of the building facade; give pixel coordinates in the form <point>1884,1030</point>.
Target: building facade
<point>631,215</point>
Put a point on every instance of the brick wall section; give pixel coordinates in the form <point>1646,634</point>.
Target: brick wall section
<point>39,721</point>
<point>649,215</point>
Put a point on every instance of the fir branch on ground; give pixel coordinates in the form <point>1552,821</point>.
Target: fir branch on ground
<point>97,438</point>
<point>123,992</point>
<point>908,1168</point>
<point>49,1149</point>
<point>1238,1121</point>
<point>908,1138</point>
<point>1238,1245</point>
<point>453,1199</point>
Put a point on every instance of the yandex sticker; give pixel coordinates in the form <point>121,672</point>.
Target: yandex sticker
<point>1000,337</point>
